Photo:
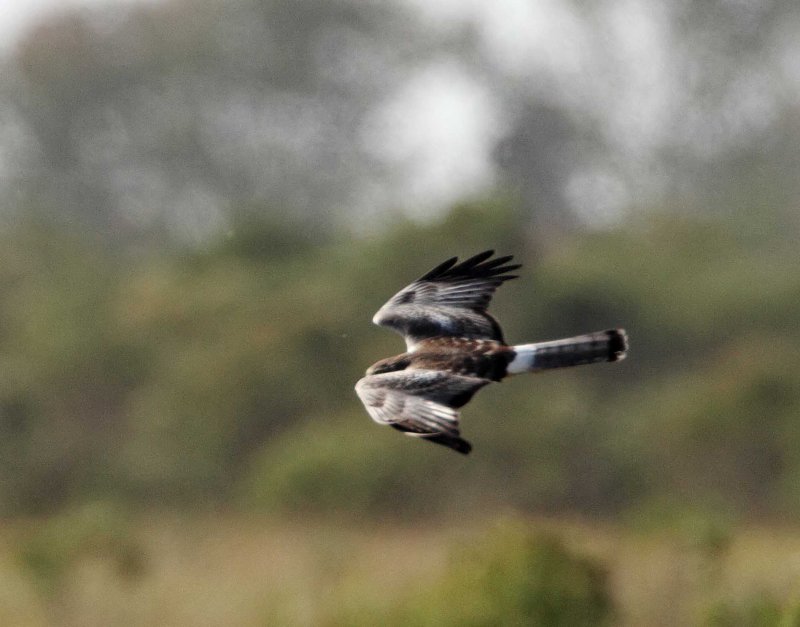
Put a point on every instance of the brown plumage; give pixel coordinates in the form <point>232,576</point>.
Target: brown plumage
<point>455,347</point>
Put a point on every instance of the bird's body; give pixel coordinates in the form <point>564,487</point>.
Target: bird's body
<point>455,347</point>
<point>487,359</point>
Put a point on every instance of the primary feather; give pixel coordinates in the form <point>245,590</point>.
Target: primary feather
<point>449,301</point>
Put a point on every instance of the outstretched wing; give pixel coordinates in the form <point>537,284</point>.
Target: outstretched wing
<point>449,301</point>
<point>421,403</point>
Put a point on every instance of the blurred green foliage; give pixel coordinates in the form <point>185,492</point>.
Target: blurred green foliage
<point>760,611</point>
<point>510,576</point>
<point>515,578</point>
<point>49,549</point>
<point>225,375</point>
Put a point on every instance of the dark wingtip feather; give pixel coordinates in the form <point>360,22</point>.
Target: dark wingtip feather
<point>476,266</point>
<point>498,261</point>
<point>457,444</point>
<point>504,269</point>
<point>462,446</point>
<point>476,260</point>
<point>440,269</point>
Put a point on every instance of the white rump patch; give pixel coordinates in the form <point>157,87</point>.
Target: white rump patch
<point>524,359</point>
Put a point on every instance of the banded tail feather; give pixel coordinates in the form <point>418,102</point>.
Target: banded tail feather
<point>591,348</point>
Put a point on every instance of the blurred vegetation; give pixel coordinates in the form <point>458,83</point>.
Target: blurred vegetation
<point>203,203</point>
<point>95,530</point>
<point>512,570</point>
<point>509,576</point>
<point>225,375</point>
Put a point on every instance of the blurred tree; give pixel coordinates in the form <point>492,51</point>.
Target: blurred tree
<point>196,377</point>
<point>188,117</point>
<point>178,117</point>
<point>618,104</point>
<point>190,374</point>
<point>734,124</point>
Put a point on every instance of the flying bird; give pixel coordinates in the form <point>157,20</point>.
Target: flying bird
<point>454,347</point>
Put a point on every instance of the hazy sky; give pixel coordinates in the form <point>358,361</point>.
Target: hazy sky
<point>621,67</point>
<point>18,15</point>
<point>444,123</point>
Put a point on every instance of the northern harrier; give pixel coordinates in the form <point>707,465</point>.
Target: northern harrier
<point>455,347</point>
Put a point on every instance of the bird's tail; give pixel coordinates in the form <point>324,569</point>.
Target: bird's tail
<point>609,345</point>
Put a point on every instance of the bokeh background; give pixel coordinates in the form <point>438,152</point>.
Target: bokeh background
<point>202,204</point>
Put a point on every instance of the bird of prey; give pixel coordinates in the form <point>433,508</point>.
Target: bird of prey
<point>455,347</point>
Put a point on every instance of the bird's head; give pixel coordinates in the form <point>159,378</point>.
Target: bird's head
<point>402,308</point>
<point>389,316</point>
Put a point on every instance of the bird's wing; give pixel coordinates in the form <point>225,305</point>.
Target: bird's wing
<point>422,403</point>
<point>450,300</point>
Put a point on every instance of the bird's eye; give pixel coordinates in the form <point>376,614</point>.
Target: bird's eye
<point>407,297</point>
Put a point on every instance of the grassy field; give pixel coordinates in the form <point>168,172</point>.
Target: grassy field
<point>228,570</point>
